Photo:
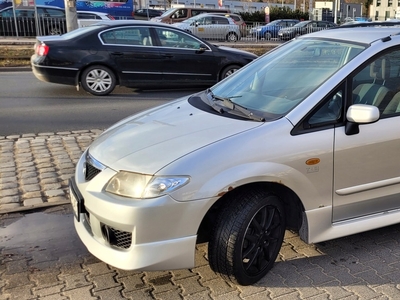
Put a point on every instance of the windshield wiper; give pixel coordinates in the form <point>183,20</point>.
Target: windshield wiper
<point>228,103</point>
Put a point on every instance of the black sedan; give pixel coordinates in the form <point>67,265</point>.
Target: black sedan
<point>138,54</point>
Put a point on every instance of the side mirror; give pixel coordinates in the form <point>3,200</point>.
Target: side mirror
<point>360,114</point>
<point>202,48</point>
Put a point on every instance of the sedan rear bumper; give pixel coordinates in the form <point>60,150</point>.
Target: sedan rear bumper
<point>68,76</point>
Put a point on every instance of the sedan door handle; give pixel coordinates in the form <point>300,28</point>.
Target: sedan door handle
<point>167,55</point>
<point>117,53</point>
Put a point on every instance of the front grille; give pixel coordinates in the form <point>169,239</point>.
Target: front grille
<point>117,238</point>
<point>91,172</point>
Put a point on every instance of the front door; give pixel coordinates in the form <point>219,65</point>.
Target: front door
<point>367,164</point>
<point>132,52</point>
<point>182,60</point>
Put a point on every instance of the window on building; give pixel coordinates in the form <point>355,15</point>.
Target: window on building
<point>378,2</point>
<point>390,2</point>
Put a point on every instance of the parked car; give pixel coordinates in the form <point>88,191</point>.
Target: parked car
<point>51,20</point>
<point>147,13</point>
<point>211,27</point>
<point>179,14</point>
<point>304,28</point>
<point>312,148</point>
<point>139,54</point>
<point>270,30</point>
<point>238,21</point>
<point>393,22</point>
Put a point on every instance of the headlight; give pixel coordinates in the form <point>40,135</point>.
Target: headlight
<point>141,186</point>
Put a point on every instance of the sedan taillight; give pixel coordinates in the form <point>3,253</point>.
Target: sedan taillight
<point>42,49</point>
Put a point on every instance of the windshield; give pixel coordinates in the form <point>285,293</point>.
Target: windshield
<point>276,82</point>
<point>192,19</point>
<point>301,24</point>
<point>168,12</point>
<point>272,23</point>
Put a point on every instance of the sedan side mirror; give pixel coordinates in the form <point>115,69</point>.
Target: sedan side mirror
<point>360,114</point>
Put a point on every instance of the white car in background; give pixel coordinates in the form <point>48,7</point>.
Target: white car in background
<point>87,18</point>
<point>212,27</point>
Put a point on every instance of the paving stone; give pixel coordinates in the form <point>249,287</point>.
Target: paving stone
<point>104,281</point>
<point>141,294</point>
<point>80,293</point>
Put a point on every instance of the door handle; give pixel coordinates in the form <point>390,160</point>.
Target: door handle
<point>167,55</point>
<point>117,53</point>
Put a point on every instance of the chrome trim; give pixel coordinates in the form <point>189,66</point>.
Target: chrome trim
<point>368,186</point>
<point>49,67</point>
<point>162,73</point>
<point>95,163</point>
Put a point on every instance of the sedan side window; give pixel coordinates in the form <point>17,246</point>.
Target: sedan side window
<point>171,38</point>
<point>126,36</point>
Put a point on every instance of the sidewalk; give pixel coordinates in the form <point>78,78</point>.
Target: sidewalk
<point>35,168</point>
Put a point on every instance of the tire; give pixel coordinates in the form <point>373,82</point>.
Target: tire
<point>98,80</point>
<point>247,237</point>
<point>232,37</point>
<point>268,36</point>
<point>229,70</point>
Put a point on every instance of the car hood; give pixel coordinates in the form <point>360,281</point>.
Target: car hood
<point>237,51</point>
<point>149,141</point>
<point>181,25</point>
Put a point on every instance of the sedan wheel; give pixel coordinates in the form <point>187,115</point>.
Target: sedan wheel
<point>232,37</point>
<point>98,80</point>
<point>247,236</point>
<point>229,71</point>
<point>267,36</point>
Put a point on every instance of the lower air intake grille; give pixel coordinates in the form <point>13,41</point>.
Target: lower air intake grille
<point>117,238</point>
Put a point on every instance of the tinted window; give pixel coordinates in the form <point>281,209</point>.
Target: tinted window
<point>219,20</point>
<point>127,36</point>
<point>85,16</point>
<point>50,12</point>
<point>172,38</point>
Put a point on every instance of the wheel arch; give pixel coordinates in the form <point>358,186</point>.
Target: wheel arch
<point>222,70</point>
<point>293,206</point>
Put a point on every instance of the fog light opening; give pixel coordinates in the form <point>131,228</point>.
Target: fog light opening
<point>108,235</point>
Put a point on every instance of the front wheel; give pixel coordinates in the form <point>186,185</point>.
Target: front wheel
<point>98,80</point>
<point>232,37</point>
<point>229,70</point>
<point>247,237</point>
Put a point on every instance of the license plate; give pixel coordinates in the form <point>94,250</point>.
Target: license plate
<point>76,202</point>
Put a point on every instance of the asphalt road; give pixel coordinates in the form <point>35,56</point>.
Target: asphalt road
<point>28,105</point>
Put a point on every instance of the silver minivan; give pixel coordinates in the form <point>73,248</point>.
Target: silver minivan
<point>212,27</point>
<point>179,14</point>
<point>304,138</point>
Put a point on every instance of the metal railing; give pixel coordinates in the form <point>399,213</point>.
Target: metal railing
<point>26,26</point>
<point>30,27</point>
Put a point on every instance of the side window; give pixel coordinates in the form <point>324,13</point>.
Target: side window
<point>220,21</point>
<point>7,13</point>
<point>196,12</point>
<point>127,36</point>
<point>55,13</point>
<point>329,112</point>
<point>171,38</point>
<point>378,84</point>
